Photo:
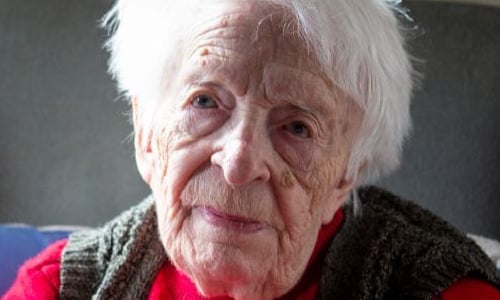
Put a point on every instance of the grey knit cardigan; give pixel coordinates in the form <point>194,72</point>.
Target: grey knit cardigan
<point>394,250</point>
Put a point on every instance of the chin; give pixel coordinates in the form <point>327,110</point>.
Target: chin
<point>222,270</point>
<point>223,261</point>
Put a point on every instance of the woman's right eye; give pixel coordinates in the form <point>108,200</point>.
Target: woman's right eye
<point>204,101</point>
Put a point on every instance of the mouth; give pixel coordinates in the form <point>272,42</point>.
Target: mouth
<point>227,221</point>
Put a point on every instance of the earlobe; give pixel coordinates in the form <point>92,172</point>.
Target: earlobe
<point>339,196</point>
<point>142,142</point>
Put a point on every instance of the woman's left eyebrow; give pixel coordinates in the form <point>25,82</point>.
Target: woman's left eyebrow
<point>304,97</point>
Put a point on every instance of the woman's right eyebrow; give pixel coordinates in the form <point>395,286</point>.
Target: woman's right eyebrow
<point>218,75</point>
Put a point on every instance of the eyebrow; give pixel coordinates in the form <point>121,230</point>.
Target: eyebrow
<point>197,79</point>
<point>303,98</point>
<point>217,73</point>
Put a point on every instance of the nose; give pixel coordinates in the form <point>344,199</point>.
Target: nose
<point>243,157</point>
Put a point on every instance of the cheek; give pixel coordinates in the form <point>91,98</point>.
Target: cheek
<point>298,155</point>
<point>315,173</point>
<point>197,123</point>
<point>176,167</point>
<point>305,165</point>
<point>295,206</point>
<point>180,145</point>
<point>176,157</point>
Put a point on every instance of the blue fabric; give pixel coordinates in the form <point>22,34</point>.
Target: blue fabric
<point>19,243</point>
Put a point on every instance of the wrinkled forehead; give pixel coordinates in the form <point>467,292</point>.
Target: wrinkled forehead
<point>235,12</point>
<point>264,27</point>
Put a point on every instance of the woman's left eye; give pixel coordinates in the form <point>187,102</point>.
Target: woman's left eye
<point>204,101</point>
<point>298,128</point>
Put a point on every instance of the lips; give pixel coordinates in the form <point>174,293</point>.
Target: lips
<point>228,221</point>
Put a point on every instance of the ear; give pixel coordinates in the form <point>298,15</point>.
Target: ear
<point>339,196</point>
<point>142,141</point>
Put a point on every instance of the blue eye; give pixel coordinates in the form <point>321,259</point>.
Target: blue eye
<point>298,128</point>
<point>204,101</point>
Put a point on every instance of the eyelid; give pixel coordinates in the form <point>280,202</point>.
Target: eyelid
<point>193,93</point>
<point>307,117</point>
<point>309,123</point>
<point>223,97</point>
<point>197,95</point>
<point>290,126</point>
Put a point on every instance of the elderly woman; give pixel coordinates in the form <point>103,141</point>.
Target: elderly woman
<point>256,124</point>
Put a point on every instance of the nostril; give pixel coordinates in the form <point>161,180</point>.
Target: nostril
<point>217,159</point>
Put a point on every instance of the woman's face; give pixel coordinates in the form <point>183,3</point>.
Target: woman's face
<point>246,153</point>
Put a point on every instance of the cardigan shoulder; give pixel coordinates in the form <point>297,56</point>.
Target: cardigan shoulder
<point>396,249</point>
<point>116,261</point>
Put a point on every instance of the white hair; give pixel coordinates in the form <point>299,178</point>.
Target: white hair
<point>359,44</point>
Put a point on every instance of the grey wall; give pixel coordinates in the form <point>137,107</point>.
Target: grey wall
<point>64,154</point>
<point>63,150</point>
<point>452,161</point>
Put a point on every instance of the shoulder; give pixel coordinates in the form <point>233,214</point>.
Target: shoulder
<point>394,247</point>
<point>126,251</point>
<point>426,242</point>
<point>100,243</point>
<point>38,278</point>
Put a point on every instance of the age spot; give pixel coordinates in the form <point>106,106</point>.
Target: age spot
<point>224,22</point>
<point>204,52</point>
<point>287,179</point>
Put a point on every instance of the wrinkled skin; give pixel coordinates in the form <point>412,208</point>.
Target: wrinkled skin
<point>245,152</point>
